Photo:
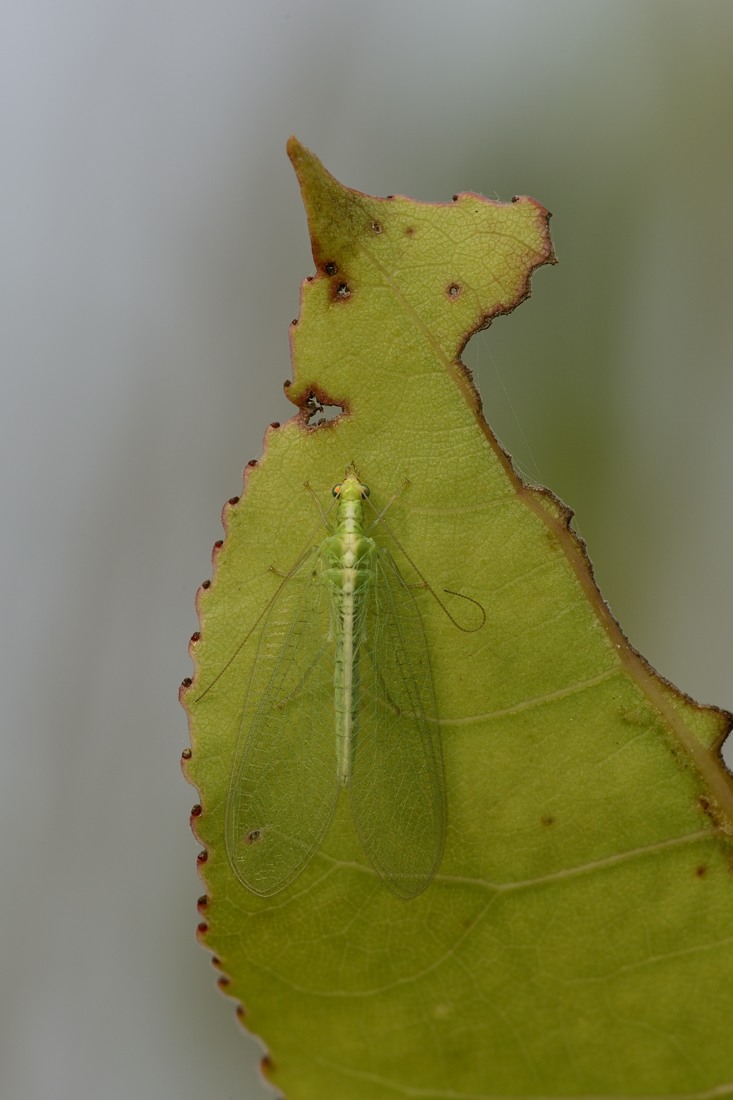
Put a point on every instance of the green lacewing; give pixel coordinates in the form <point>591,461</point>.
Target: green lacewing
<point>341,701</point>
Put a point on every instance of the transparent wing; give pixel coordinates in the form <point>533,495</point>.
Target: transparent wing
<point>397,786</point>
<point>284,783</point>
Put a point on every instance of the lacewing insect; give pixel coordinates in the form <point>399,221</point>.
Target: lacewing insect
<point>343,702</point>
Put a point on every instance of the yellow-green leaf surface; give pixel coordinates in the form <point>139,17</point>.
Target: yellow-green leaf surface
<point>577,939</point>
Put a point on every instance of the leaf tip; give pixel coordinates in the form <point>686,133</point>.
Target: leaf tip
<point>311,174</point>
<point>337,214</point>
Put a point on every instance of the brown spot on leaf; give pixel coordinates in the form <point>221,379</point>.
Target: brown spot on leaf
<point>454,290</point>
<point>253,836</point>
<point>410,231</point>
<point>701,870</point>
<point>548,820</point>
<point>376,227</point>
<point>341,293</point>
<point>330,268</point>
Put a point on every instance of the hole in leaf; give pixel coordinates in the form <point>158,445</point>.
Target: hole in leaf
<point>319,411</point>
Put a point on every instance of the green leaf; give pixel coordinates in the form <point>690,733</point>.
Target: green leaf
<point>578,936</point>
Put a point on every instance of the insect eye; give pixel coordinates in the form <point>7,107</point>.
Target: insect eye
<point>336,491</point>
<point>365,490</point>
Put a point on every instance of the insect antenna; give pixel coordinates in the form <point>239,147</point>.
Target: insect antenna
<point>379,518</point>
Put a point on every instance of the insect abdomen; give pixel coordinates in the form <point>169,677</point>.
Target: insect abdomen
<point>349,577</point>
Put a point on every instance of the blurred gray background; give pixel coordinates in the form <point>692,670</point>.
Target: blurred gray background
<point>153,244</point>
